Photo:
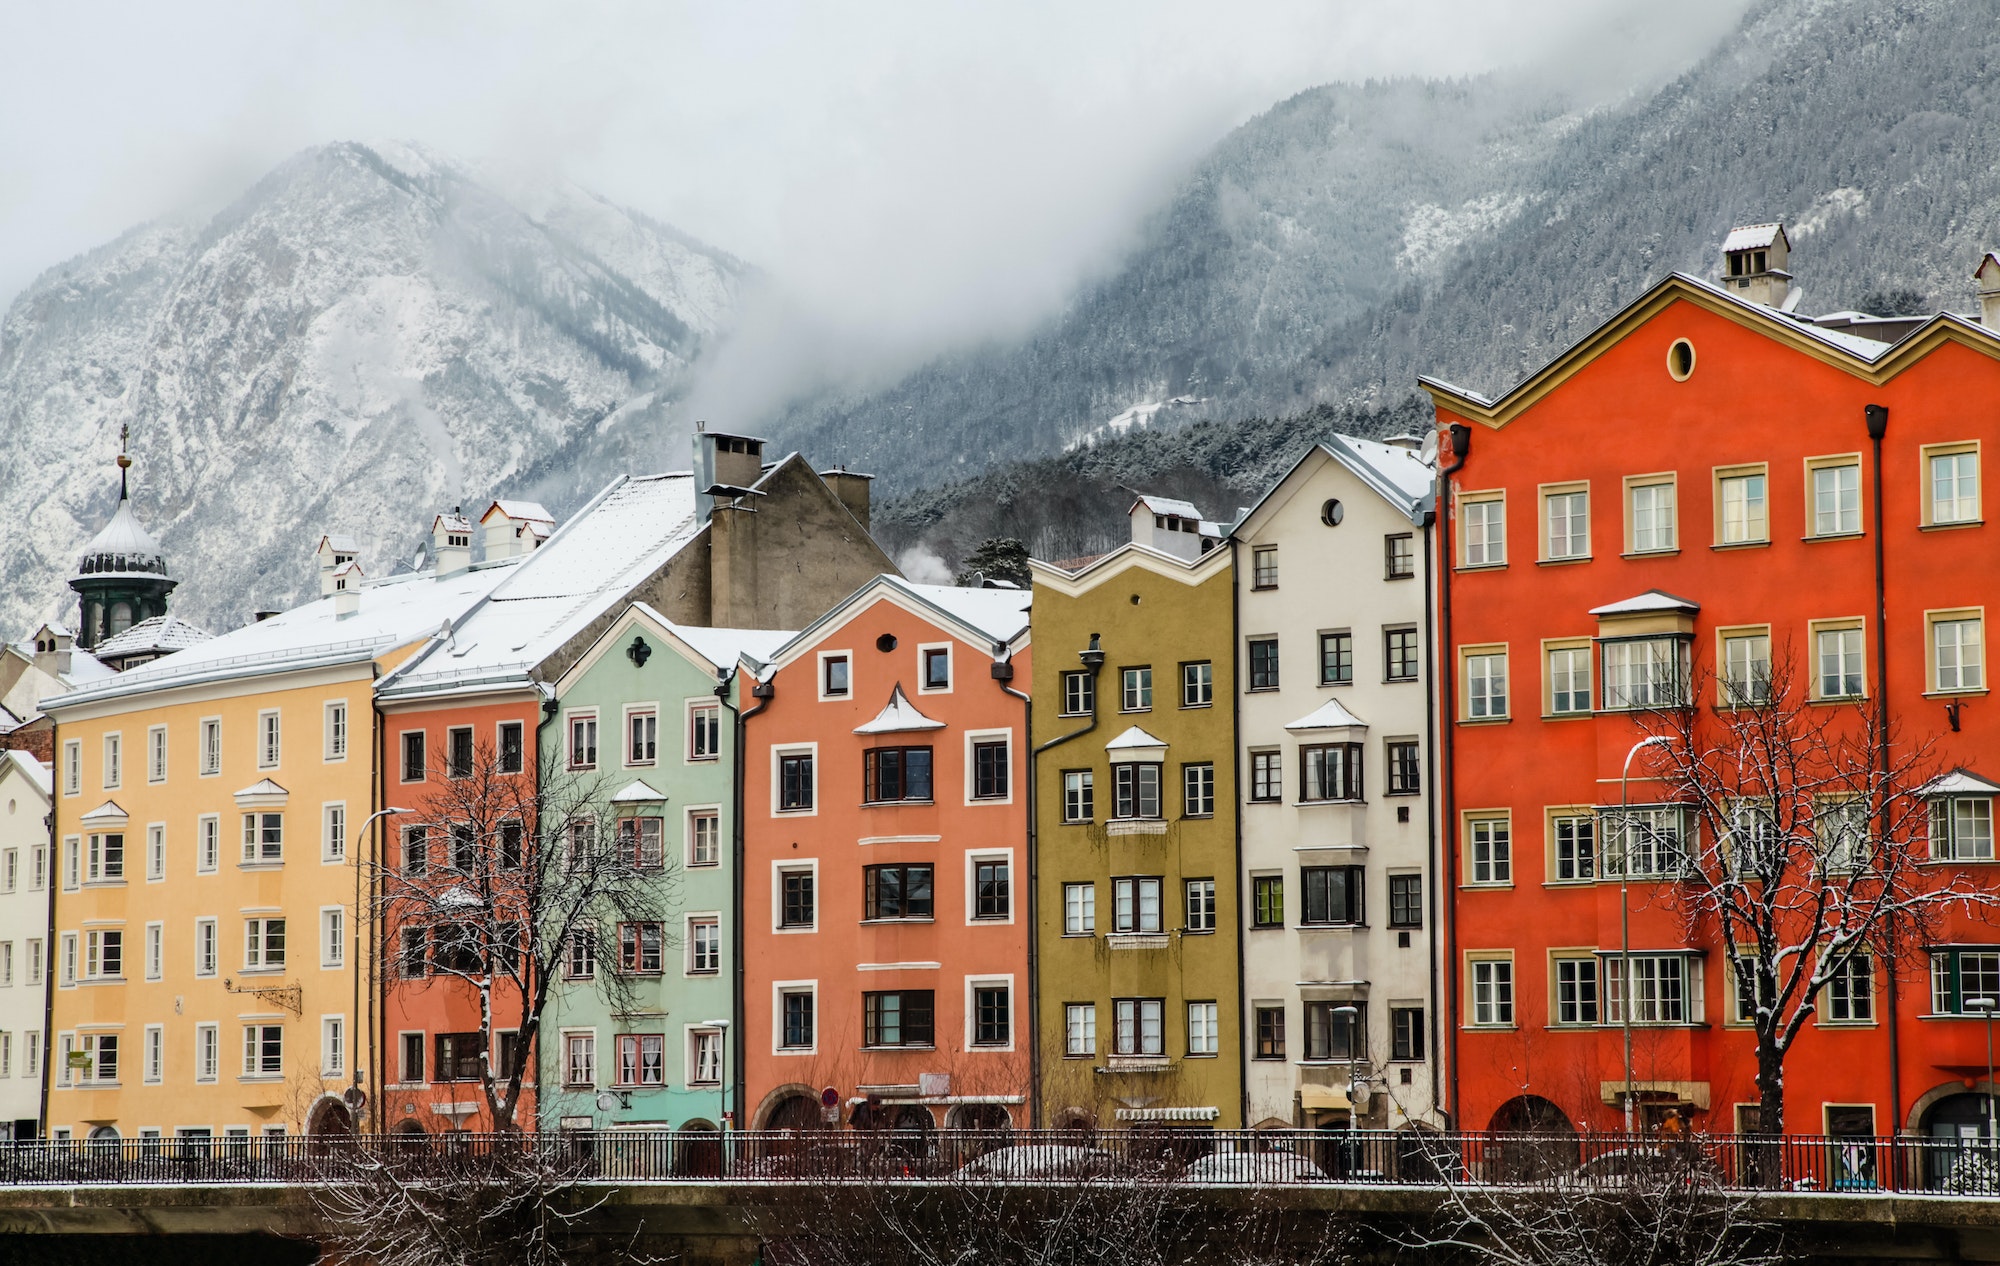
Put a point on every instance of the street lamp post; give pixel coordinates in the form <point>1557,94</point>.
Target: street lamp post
<point>1356,1054</point>
<point>1986,1007</point>
<point>1625,909</point>
<point>361,917</point>
<point>722,1072</point>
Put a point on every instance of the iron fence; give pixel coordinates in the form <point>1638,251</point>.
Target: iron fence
<point>1794,1163</point>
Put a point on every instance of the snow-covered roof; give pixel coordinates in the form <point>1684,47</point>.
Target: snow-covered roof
<point>1990,263</point>
<point>530,511</point>
<point>1001,614</point>
<point>638,791</point>
<point>39,775</point>
<point>723,647</point>
<point>1394,473</point>
<point>164,633</point>
<point>898,716</point>
<point>453,522</point>
<point>123,547</point>
<point>262,787</point>
<point>1167,505</point>
<point>109,811</point>
<point>1331,715</point>
<point>1960,782</point>
<point>1752,237</point>
<point>1650,602</point>
<point>338,543</point>
<point>1134,737</point>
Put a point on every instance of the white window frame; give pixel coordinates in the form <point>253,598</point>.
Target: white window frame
<point>1737,652</point>
<point>1837,518</point>
<point>154,1054</point>
<point>780,989</point>
<point>257,943</point>
<point>1841,628</point>
<point>1498,862</point>
<point>778,753</point>
<point>1961,514</point>
<point>156,753</point>
<point>156,852</point>
<point>638,713</point>
<point>974,738</point>
<point>1482,701</point>
<point>571,719</point>
<point>207,936</point>
<point>1659,531</point>
<point>332,937</point>
<point>1741,518</point>
<point>695,709</point>
<point>156,949</point>
<point>335,740</point>
<point>1562,496</point>
<point>1692,1002</point>
<point>1492,993</point>
<point>73,767</point>
<point>1080,908</point>
<point>1482,529</point>
<point>972,1020</point>
<point>972,859</point>
<point>950,668</point>
<point>333,1053</point>
<point>114,760</point>
<point>1200,1044</point>
<point>270,739</point>
<point>207,844</point>
<point>689,922</point>
<point>1968,672</point>
<point>794,865</point>
<point>693,814</point>
<point>333,832</point>
<point>208,738</point>
<point>820,663</point>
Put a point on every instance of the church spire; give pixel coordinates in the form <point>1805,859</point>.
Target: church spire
<point>124,461</point>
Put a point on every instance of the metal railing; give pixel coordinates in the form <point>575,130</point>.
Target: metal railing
<point>1790,1163</point>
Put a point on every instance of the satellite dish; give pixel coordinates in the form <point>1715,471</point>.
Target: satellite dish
<point>607,1102</point>
<point>1428,454</point>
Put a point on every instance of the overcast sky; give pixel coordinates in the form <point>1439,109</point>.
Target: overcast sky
<point>910,172</point>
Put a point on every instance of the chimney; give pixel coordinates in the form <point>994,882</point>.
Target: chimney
<point>54,648</point>
<point>1753,264</point>
<point>334,548</point>
<point>852,489</point>
<point>1988,277</point>
<point>724,462</point>
<point>346,590</point>
<point>514,528</point>
<point>451,543</point>
<point>1166,524</point>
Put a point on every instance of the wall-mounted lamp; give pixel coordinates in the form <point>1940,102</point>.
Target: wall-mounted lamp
<point>1951,713</point>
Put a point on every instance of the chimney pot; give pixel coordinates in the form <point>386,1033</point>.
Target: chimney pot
<point>1754,260</point>
<point>1988,278</point>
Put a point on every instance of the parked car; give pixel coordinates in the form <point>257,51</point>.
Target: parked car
<point>1638,1164</point>
<point>1253,1167</point>
<point>1041,1160</point>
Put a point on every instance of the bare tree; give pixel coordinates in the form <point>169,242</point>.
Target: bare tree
<point>507,883</point>
<point>1814,827</point>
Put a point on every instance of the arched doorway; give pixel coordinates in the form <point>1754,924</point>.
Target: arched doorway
<point>796,1112</point>
<point>982,1127</point>
<point>1959,1154</point>
<point>330,1117</point>
<point>910,1129</point>
<point>698,1150</point>
<point>1543,1141</point>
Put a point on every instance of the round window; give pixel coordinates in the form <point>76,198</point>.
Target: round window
<point>886,642</point>
<point>1680,360</point>
<point>1332,513</point>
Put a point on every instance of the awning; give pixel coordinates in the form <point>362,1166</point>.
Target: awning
<point>1169,1114</point>
<point>898,716</point>
<point>1325,1098</point>
<point>262,794</point>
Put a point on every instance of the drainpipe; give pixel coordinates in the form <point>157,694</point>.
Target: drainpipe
<point>1878,425</point>
<point>551,708</point>
<point>1447,681</point>
<point>1093,663</point>
<point>1432,929</point>
<point>1003,673</point>
<point>378,787</point>
<point>762,691</point>
<point>1244,1035</point>
<point>49,873</point>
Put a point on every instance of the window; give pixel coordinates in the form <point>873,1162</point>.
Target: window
<point>1336,659</point>
<point>1264,663</point>
<point>1405,766</point>
<point>1959,975</point>
<point>580,1059</point>
<point>156,754</point>
<point>704,839</point>
<point>1330,771</point>
<point>1567,515</point>
<point>107,857</point>
<point>333,833</point>
<point>72,862</point>
<point>31,1048</point>
<point>411,1071</point>
<point>1838,655</point>
<point>1198,790</point>
<point>897,773</point>
<point>1486,685</point>
<point>1840,830</point>
<point>796,1027</point>
<point>897,892</point>
<point>705,732</point>
<point>1650,517</point>
<point>206,948</point>
<point>459,1056</point>
<point>1575,839</point>
<point>38,876</point>
<point>1744,516</point>
<point>706,1061</point>
<point>1079,909</point>
<point>335,731</point>
<point>641,842</point>
<point>101,1049</point>
<point>211,746</point>
<point>263,944</point>
<point>207,1052</point>
<point>1746,669</point>
<point>1958,654</point>
<point>1135,904</point>
<point>263,838</point>
<point>1079,801</point>
<point>263,1050</point>
<point>897,1018</point>
<point>1197,684</point>
<point>1485,532</point>
<point>991,897</point>
<point>1266,776</point>
<point>583,742</point>
<point>114,748</point>
<point>795,908</point>
<point>1662,987</point>
<point>991,1021</point>
<point>936,667</point>
<point>1334,1029</point>
<point>1954,486</point>
<point>1400,556</point>
<point>1137,1026</point>
<point>1493,991</point>
<point>7,962</point>
<point>1267,901</point>
<point>1270,1032</point>
<point>1333,894</point>
<point>1137,689</point>
<point>989,770</point>
<point>1490,851</point>
<point>1203,1034</point>
<point>1135,790</point>
<point>580,955</point>
<point>513,748</point>
<point>1850,994</point>
<point>103,954</point>
<point>639,948</point>
<point>332,1045</point>
<point>1650,672</point>
<point>1406,1033</point>
<point>1569,680</point>
<point>642,1059</point>
<point>1961,828</point>
<point>269,747</point>
<point>1200,905</point>
<point>1079,694</point>
<point>72,767</point>
<point>1406,901</point>
<point>642,738</point>
<point>332,937</point>
<point>1079,1029</point>
<point>416,850</point>
<point>834,683</point>
<point>1576,991</point>
<point>413,756</point>
<point>1264,567</point>
<point>795,782</point>
<point>1836,498</point>
<point>1652,842</point>
<point>1400,654</point>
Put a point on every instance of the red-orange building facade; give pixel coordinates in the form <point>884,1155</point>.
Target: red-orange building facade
<point>1599,483</point>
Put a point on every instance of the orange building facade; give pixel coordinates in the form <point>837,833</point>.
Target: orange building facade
<point>885,816</point>
<point>1702,470</point>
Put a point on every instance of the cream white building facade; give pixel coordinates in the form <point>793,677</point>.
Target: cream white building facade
<point>1334,709</point>
<point>24,921</point>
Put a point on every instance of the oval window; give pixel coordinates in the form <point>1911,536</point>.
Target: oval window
<point>1332,513</point>
<point>886,642</point>
<point>1680,359</point>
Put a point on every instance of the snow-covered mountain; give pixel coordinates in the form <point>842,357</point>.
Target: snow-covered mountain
<point>369,334</point>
